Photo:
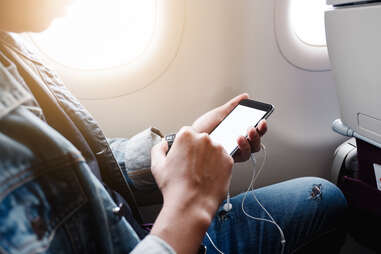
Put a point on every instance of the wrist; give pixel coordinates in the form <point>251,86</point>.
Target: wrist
<point>182,228</point>
<point>192,200</point>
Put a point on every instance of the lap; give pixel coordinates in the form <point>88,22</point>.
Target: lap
<point>304,208</point>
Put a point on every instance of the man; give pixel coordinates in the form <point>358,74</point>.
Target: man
<point>62,190</point>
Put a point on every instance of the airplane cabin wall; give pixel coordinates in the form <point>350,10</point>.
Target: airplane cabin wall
<point>228,47</point>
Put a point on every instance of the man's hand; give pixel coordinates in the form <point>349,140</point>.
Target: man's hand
<point>194,178</point>
<point>207,122</point>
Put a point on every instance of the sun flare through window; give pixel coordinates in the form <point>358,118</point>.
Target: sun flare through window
<point>98,34</point>
<point>307,20</point>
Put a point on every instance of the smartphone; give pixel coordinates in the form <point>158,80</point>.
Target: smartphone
<point>247,113</point>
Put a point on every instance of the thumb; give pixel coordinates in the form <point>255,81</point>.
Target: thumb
<point>158,152</point>
<point>230,105</point>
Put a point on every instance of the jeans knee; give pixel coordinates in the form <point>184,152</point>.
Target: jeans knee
<point>328,192</point>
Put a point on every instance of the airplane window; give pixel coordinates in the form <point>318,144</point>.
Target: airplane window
<point>133,41</point>
<point>308,21</point>
<point>300,34</point>
<point>98,34</point>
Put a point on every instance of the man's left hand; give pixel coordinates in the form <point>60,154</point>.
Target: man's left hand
<point>207,122</point>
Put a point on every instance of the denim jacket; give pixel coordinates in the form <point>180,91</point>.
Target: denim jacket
<point>51,199</point>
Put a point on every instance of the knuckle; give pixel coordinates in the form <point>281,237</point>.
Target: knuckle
<point>185,132</point>
<point>204,137</point>
<point>246,145</point>
<point>219,148</point>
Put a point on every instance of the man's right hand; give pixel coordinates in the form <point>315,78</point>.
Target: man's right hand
<point>194,178</point>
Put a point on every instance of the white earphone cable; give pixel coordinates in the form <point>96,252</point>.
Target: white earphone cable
<point>215,247</point>
<point>251,188</point>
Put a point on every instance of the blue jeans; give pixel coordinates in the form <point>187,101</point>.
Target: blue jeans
<point>305,214</point>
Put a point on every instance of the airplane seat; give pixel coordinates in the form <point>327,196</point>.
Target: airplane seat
<point>352,172</point>
<point>353,41</point>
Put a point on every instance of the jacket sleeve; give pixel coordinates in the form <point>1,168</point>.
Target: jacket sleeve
<point>134,158</point>
<point>153,245</point>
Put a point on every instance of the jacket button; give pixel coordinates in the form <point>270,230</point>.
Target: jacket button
<point>116,210</point>
<point>119,210</point>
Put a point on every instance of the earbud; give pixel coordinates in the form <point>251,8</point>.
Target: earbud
<point>227,206</point>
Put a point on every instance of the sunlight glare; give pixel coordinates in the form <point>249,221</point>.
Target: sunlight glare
<point>307,17</point>
<point>100,33</point>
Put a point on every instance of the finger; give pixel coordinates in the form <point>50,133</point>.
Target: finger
<point>159,151</point>
<point>207,122</point>
<point>230,105</point>
<point>254,140</point>
<point>262,128</point>
<point>244,147</point>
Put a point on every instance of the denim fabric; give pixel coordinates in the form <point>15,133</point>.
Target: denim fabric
<point>50,202</point>
<point>65,113</point>
<point>10,75</point>
<point>134,158</point>
<point>304,213</point>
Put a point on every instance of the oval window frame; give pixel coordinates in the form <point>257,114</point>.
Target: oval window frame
<point>296,52</point>
<point>129,78</point>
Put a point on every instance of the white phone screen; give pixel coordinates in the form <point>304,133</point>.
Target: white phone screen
<point>234,125</point>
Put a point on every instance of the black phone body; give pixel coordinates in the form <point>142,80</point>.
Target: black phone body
<point>248,113</point>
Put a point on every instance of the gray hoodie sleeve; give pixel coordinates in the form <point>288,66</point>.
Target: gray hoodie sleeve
<point>153,245</point>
